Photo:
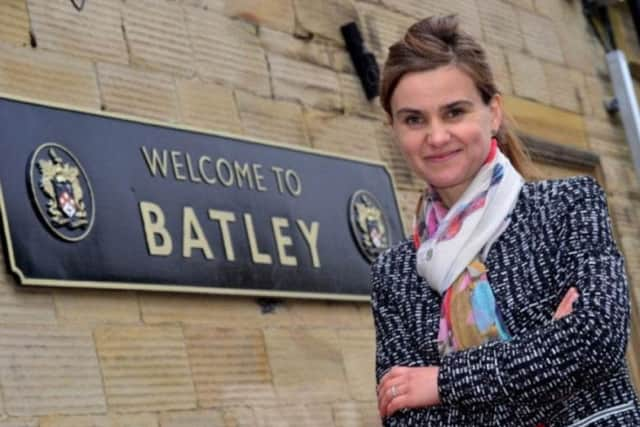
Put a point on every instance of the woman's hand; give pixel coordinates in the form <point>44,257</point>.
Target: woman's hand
<point>417,387</point>
<point>404,387</point>
<point>565,307</point>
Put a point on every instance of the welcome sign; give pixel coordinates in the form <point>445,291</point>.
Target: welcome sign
<point>95,200</point>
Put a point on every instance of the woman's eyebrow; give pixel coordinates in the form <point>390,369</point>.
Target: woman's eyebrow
<point>448,106</point>
<point>458,103</point>
<point>407,110</point>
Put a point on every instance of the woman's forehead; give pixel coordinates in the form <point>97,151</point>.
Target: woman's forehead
<point>434,89</point>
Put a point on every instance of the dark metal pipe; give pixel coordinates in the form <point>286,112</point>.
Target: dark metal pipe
<point>634,9</point>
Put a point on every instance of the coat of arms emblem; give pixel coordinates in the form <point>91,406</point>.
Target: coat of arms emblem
<point>369,225</point>
<point>59,186</point>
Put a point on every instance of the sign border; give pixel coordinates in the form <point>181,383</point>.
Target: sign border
<point>29,281</point>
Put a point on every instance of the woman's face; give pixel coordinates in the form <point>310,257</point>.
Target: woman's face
<point>443,127</point>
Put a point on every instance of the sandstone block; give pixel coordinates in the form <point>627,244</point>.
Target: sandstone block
<point>278,14</point>
<point>366,316</point>
<point>145,368</point>
<point>540,37</point>
<point>606,130</point>
<point>96,33</point>
<point>623,213</point>
<point>550,8</point>
<point>500,24</point>
<point>302,50</point>
<point>19,422</point>
<point>566,87</point>
<point>48,76</point>
<point>208,106</point>
<point>325,18</point>
<point>129,420</point>
<point>556,171</point>
<point>315,415</point>
<point>498,62</point>
<point>324,314</point>
<point>610,148</point>
<point>525,4</point>
<point>273,120</point>
<point>92,306</point>
<point>239,416</point>
<point>20,305</point>
<point>619,175</point>
<point>417,9</point>
<point>597,93</point>
<point>631,249</point>
<point>47,370</point>
<point>229,366</point>
<point>356,414</point>
<point>359,354</point>
<point>582,52</point>
<point>214,5</point>
<point>14,22</point>
<point>228,51</point>
<point>218,311</point>
<point>579,48</point>
<point>381,28</point>
<point>355,100</point>
<point>340,60</point>
<point>311,85</point>
<point>157,36</point>
<point>408,200</point>
<point>306,365</point>
<point>529,79</point>
<point>391,154</point>
<point>548,123</point>
<point>197,418</point>
<point>138,93</point>
<point>347,135</point>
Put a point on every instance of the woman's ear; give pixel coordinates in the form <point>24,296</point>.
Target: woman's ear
<point>497,112</point>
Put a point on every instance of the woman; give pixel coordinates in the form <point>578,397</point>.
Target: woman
<point>509,306</point>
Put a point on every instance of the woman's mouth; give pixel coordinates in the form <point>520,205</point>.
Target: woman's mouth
<point>442,157</point>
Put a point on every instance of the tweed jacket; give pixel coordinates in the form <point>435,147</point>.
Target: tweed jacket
<point>567,372</point>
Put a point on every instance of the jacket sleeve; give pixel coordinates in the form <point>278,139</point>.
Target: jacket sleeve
<point>547,364</point>
<point>395,345</point>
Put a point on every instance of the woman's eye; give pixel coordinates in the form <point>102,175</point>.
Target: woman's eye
<point>413,120</point>
<point>453,113</point>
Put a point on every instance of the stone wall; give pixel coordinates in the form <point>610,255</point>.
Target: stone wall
<point>276,70</point>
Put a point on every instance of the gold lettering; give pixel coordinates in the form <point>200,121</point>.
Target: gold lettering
<point>282,241</point>
<point>243,172</point>
<point>278,172</point>
<point>194,178</point>
<point>208,180</point>
<point>154,163</point>
<point>257,256</point>
<point>153,228</point>
<point>293,182</point>
<point>220,162</point>
<point>311,237</point>
<point>224,218</point>
<point>259,177</point>
<point>191,226</point>
<point>177,165</point>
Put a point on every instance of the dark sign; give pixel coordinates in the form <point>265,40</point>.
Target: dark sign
<point>103,201</point>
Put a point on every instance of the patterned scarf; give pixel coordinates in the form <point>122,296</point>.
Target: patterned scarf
<point>452,245</point>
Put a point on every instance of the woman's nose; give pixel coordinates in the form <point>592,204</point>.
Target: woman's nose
<point>438,134</point>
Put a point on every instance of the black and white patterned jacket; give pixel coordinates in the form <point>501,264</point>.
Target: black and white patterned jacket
<point>568,372</point>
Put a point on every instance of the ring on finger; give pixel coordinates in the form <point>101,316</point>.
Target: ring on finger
<point>394,391</point>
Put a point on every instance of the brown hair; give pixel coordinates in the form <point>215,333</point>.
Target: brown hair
<point>435,42</point>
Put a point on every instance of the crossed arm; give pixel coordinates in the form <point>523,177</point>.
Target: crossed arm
<point>417,387</point>
<point>587,339</point>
